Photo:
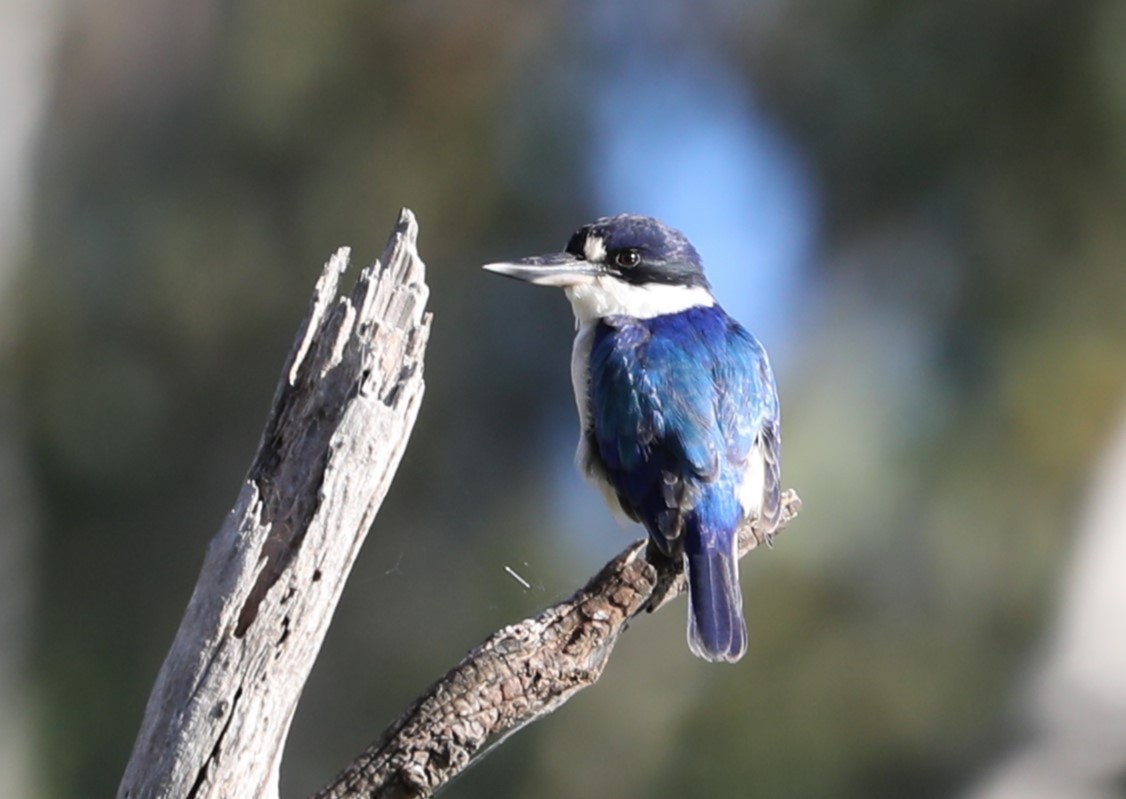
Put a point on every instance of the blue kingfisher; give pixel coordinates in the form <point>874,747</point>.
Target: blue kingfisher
<point>678,410</point>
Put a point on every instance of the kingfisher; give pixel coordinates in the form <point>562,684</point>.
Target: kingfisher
<point>678,410</point>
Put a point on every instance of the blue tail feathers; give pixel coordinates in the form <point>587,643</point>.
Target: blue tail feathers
<point>716,630</point>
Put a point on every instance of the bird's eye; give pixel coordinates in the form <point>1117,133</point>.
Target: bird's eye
<point>627,259</point>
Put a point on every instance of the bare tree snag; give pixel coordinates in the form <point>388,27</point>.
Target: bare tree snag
<point>518,675</point>
<point>221,708</point>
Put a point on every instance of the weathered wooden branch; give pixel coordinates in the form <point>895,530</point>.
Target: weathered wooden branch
<point>222,705</point>
<point>518,675</point>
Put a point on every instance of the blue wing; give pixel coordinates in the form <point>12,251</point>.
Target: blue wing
<point>750,419</point>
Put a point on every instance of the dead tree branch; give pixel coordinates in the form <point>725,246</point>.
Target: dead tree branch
<point>518,675</point>
<point>222,705</point>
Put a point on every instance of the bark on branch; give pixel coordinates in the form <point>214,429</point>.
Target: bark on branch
<point>221,708</point>
<point>518,675</point>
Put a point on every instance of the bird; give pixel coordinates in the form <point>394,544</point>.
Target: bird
<point>679,417</point>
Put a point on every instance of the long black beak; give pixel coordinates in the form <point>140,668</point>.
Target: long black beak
<point>558,269</point>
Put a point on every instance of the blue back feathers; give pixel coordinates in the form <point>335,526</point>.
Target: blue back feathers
<point>680,404</point>
<point>677,403</point>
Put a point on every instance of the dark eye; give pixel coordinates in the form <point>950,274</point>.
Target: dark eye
<point>627,259</point>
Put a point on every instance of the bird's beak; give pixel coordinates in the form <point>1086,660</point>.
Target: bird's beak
<point>558,269</point>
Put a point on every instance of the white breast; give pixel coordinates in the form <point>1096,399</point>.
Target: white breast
<point>580,372</point>
<point>580,381</point>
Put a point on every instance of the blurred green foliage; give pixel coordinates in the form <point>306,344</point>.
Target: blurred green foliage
<point>959,364</point>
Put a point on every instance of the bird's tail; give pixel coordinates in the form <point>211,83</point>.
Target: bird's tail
<point>716,630</point>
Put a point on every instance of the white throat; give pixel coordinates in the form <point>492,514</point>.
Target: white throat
<point>607,296</point>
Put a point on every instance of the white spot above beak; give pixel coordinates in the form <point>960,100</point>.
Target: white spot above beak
<point>594,248</point>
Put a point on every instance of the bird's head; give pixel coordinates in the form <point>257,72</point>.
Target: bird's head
<point>620,265</point>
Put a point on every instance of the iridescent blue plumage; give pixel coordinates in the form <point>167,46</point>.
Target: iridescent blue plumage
<point>678,409</point>
<point>680,406</point>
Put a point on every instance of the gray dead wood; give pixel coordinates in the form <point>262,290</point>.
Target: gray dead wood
<point>221,708</point>
<point>518,675</point>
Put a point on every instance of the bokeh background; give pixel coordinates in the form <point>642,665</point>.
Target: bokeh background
<point>919,207</point>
